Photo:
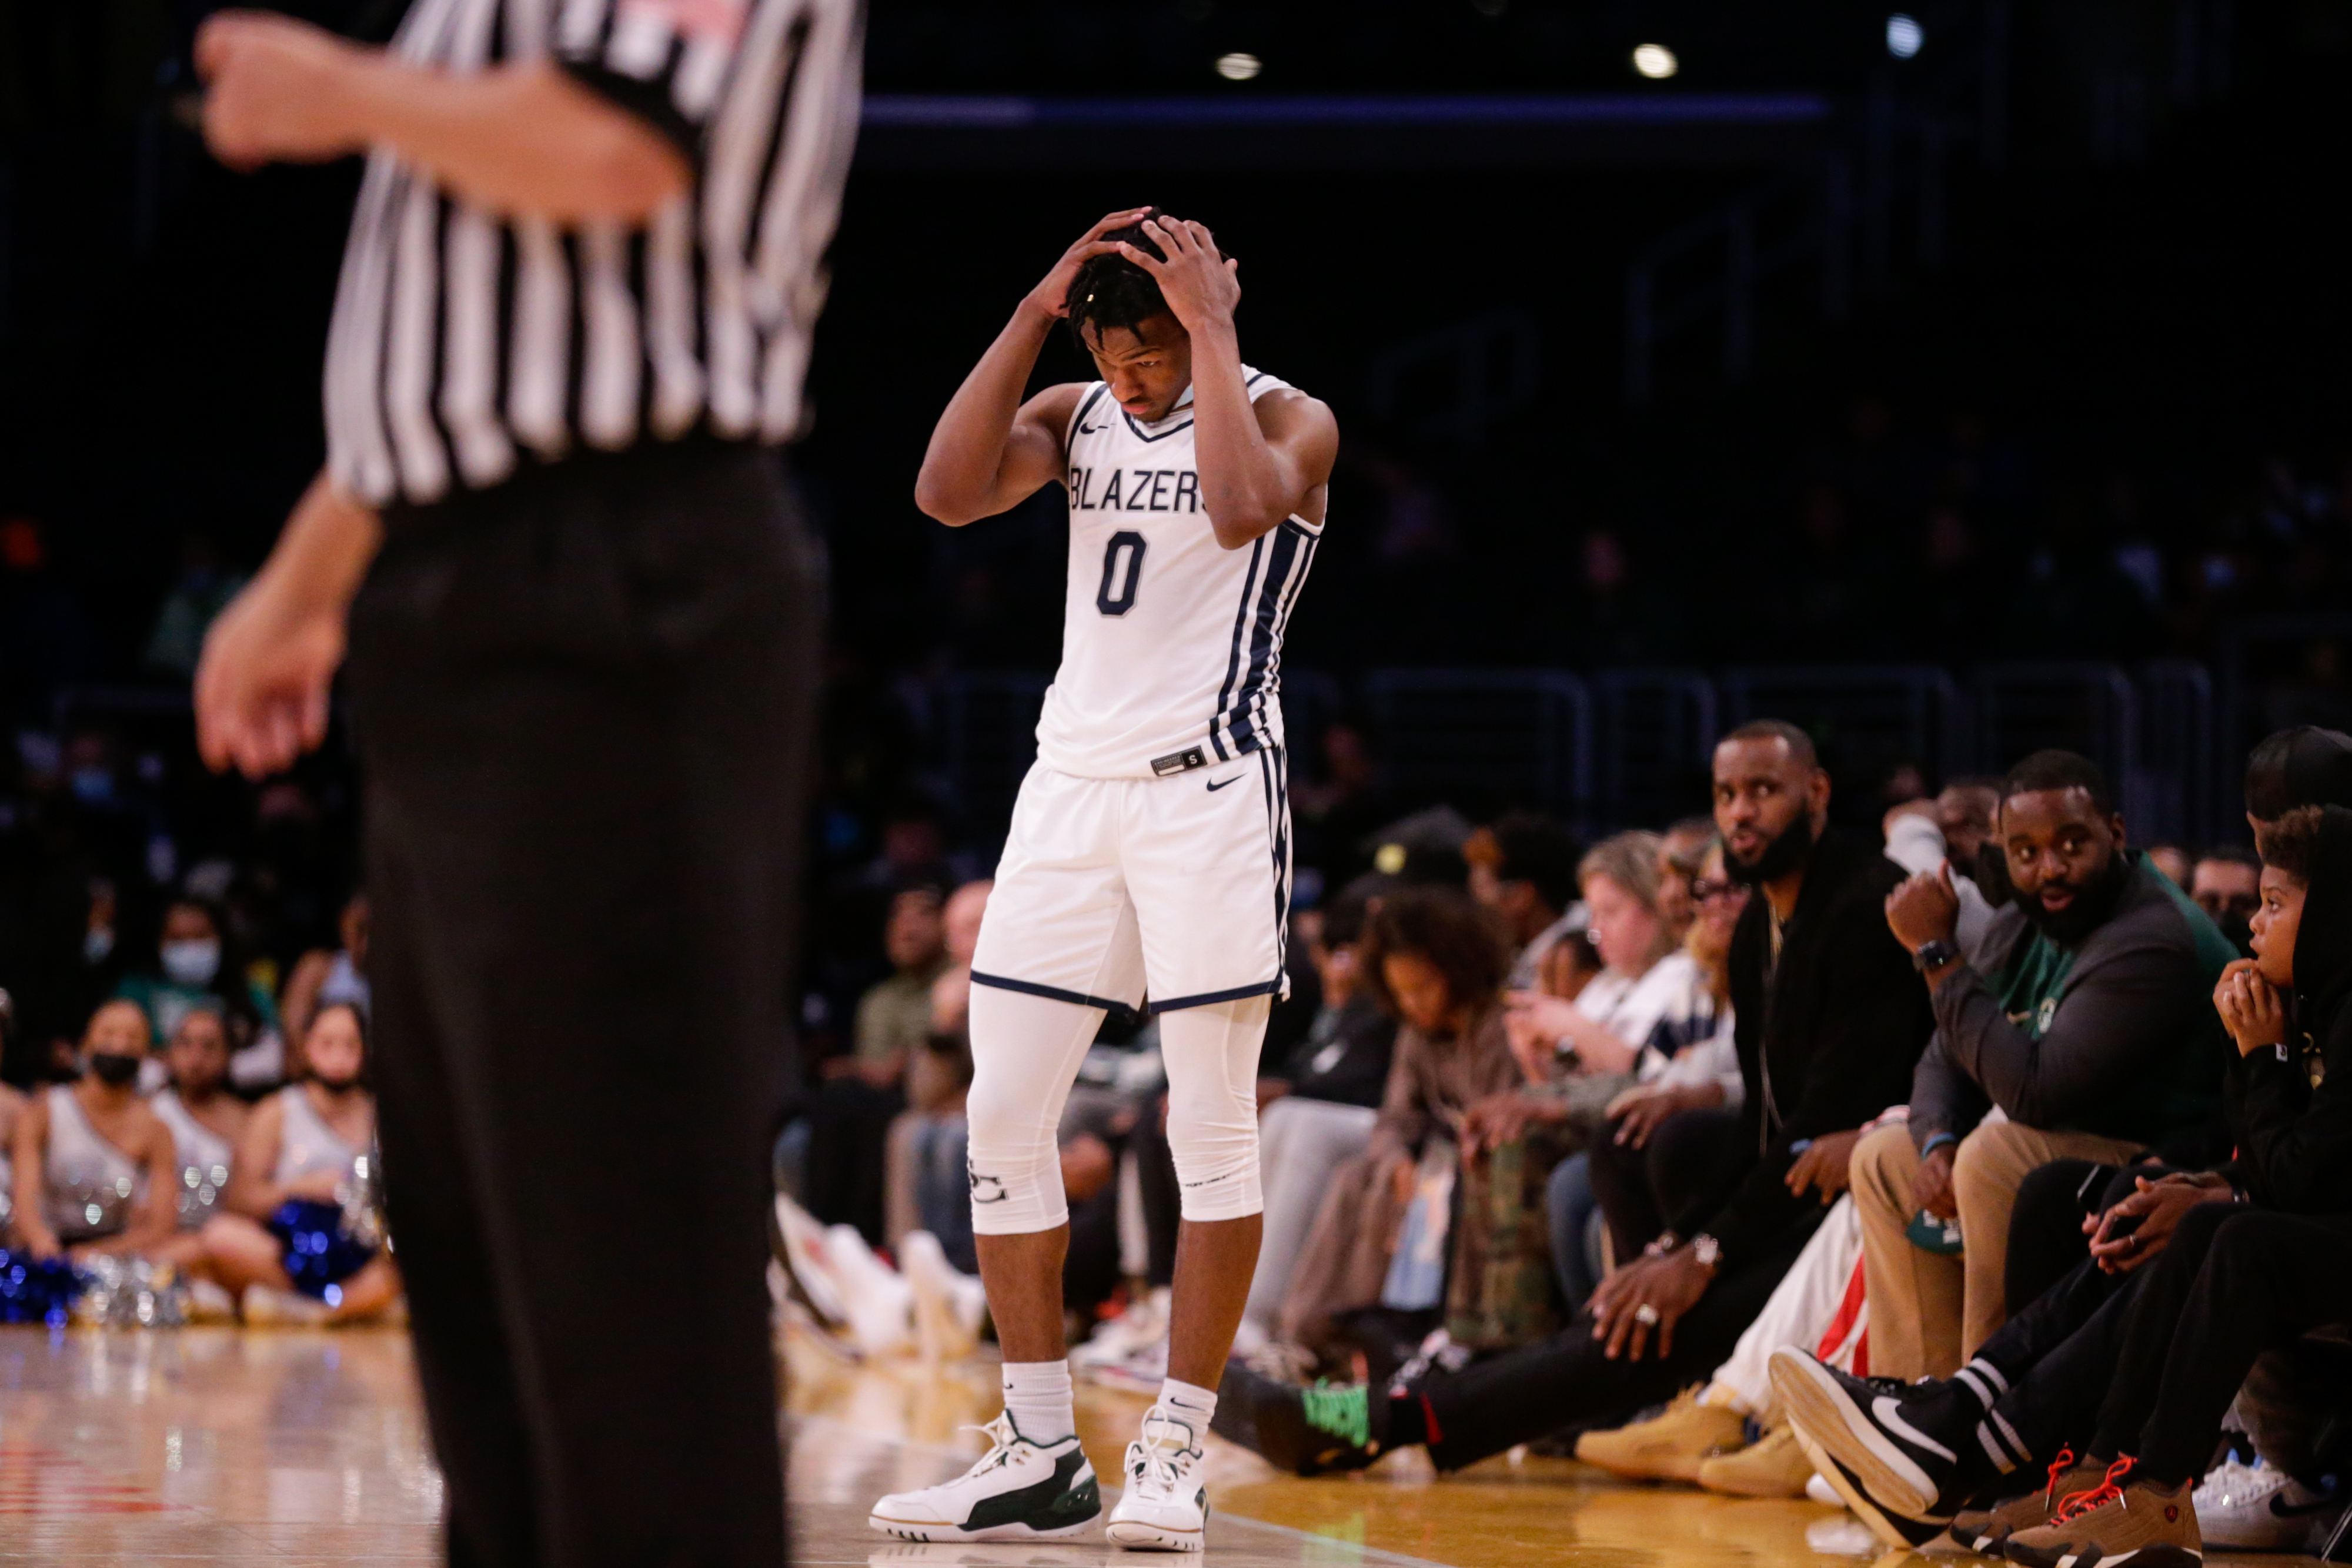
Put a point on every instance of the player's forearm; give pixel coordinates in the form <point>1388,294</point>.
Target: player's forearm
<point>523,139</point>
<point>964,466</point>
<point>1246,486</point>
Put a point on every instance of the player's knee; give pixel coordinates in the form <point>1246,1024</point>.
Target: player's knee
<point>1015,1165</point>
<point>1215,1150</point>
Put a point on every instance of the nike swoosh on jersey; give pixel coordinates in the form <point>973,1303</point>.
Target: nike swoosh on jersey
<point>1220,783</point>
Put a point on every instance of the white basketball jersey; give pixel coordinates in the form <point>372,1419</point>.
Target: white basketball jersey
<point>1171,644</point>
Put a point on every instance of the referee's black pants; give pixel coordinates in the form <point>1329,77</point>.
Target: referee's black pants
<point>583,702</point>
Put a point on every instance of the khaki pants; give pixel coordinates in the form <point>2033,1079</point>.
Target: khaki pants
<point>1929,1313</point>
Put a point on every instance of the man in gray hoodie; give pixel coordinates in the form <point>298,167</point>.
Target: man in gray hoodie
<point>2087,1034</point>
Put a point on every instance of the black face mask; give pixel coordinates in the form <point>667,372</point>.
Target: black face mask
<point>113,1068</point>
<point>2093,904</point>
<point>336,1085</point>
<point>1782,855</point>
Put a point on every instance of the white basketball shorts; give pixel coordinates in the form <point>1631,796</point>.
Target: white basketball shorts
<point>1123,893</point>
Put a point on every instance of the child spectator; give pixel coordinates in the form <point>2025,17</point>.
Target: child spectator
<point>93,1166</point>
<point>205,1119</point>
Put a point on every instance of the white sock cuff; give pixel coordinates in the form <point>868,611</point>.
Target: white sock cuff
<point>1040,1398</point>
<point>1189,1397</point>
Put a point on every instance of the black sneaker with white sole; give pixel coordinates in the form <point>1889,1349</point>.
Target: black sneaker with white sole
<point>1019,1490</point>
<point>1307,1431</point>
<point>1911,1450</point>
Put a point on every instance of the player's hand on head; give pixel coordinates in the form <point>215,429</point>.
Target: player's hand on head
<point>1052,296</point>
<point>1201,285</point>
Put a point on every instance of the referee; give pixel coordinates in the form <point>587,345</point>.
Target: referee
<point>583,623</point>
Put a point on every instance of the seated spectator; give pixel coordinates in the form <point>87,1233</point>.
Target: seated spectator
<point>2171,862</point>
<point>849,1121</point>
<point>12,1111</point>
<point>1830,1019</point>
<point>322,978</point>
<point>925,1186</point>
<point>194,966</point>
<point>205,1120</point>
<point>292,1242</point>
<point>2226,883</point>
<point>1916,840</point>
<point>1681,850</point>
<point>1316,1111</point>
<point>2085,1036</point>
<point>1650,1180</point>
<point>1432,961</point>
<point>2118,1378</point>
<point>1523,867</point>
<point>93,1167</point>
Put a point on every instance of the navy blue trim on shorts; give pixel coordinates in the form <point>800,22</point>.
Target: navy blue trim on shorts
<point>1056,994</point>
<point>1209,998</point>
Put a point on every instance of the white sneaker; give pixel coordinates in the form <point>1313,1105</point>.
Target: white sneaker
<point>1144,1323</point>
<point>2254,1508</point>
<point>1165,1508</point>
<point>1144,1371</point>
<point>880,1305</point>
<point>1019,1490</point>
<point>949,1305</point>
<point>264,1307</point>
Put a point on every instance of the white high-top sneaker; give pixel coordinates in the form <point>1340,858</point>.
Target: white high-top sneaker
<point>881,1307</point>
<point>1165,1507</point>
<point>1019,1490</point>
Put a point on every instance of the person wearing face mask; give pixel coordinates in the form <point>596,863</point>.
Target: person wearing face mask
<point>294,1243</point>
<point>93,1167</point>
<point>205,1120</point>
<point>194,967</point>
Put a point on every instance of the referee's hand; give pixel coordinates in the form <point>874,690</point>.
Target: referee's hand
<point>277,89</point>
<point>270,657</point>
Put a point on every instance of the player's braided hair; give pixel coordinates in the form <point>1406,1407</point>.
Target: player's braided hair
<point>1112,291</point>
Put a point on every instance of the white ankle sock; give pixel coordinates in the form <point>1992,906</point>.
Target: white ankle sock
<point>1038,1397</point>
<point>1197,1404</point>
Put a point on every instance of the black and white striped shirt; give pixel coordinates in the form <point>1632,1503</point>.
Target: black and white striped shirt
<point>464,340</point>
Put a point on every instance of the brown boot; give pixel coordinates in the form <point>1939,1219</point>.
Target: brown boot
<point>1983,1529</point>
<point>2121,1523</point>
<point>1669,1445</point>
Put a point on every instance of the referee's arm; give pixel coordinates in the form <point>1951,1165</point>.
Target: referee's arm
<point>524,139</point>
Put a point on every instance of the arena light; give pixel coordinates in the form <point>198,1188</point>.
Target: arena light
<point>1239,67</point>
<point>1904,35</point>
<point>1656,61</point>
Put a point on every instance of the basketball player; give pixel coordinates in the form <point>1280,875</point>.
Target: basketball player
<point>1149,852</point>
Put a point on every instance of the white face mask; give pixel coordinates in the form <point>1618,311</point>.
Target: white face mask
<point>192,962</point>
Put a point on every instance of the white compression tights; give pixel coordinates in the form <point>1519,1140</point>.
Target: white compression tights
<point>1026,1052</point>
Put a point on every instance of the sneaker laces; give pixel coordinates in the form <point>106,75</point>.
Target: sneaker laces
<point>1151,1458</point>
<point>1002,1435</point>
<point>2078,1503</point>
<point>2058,1466</point>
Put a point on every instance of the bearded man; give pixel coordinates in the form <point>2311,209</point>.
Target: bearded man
<point>1831,1019</point>
<point>2087,1035</point>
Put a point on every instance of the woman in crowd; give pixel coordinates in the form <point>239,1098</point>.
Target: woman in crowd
<point>205,1119</point>
<point>1627,1027</point>
<point>93,1167</point>
<point>287,1231</point>
<point>194,966</point>
<point>1701,1075</point>
<point>322,978</point>
<point>1432,961</point>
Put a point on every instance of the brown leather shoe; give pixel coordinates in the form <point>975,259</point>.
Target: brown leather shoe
<point>2121,1523</point>
<point>1983,1529</point>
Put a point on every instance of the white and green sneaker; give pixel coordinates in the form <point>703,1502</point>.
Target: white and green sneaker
<point>1019,1490</point>
<point>1164,1508</point>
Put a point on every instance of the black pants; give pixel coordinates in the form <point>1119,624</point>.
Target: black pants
<point>849,1140</point>
<point>1565,1381</point>
<point>1672,1182</point>
<point>584,701</point>
<point>2147,1363</point>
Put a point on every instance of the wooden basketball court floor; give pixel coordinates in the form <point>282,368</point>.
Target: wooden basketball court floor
<point>294,1448</point>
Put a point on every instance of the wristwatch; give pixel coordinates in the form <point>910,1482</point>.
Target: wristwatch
<point>1707,1250</point>
<point>1934,954</point>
